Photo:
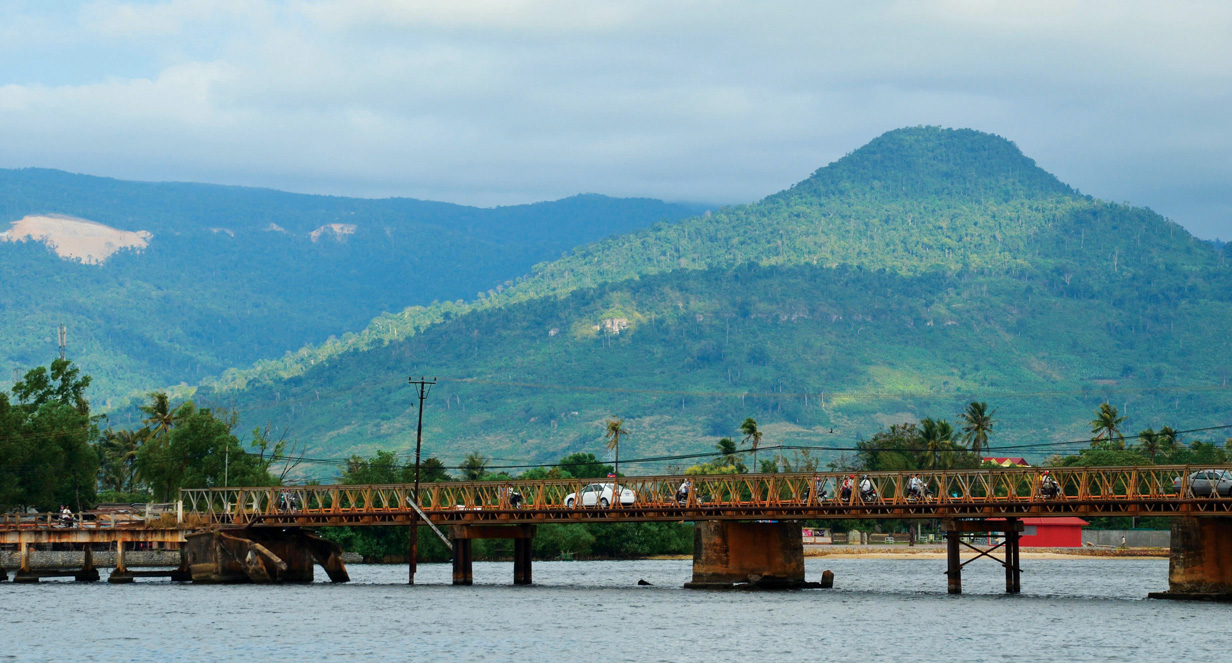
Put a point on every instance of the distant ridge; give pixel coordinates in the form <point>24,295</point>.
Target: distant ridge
<point>928,267</point>
<point>167,283</point>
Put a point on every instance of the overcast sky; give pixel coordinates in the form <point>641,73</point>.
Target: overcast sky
<point>505,101</point>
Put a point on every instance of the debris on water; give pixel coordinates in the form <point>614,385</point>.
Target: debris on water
<point>643,583</point>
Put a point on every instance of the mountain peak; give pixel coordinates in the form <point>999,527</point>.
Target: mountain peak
<point>922,161</point>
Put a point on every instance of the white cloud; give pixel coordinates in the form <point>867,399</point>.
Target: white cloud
<point>497,102</point>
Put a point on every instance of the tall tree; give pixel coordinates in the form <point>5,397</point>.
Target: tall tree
<point>977,424</point>
<point>1106,428</point>
<point>160,417</point>
<point>752,436</point>
<point>46,455</point>
<point>1150,443</point>
<point>1168,439</point>
<point>727,454</point>
<point>118,450</point>
<point>938,439</point>
<point>474,467</point>
<point>613,431</point>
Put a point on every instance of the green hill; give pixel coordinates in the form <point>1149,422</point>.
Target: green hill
<point>232,275</point>
<point>930,267</point>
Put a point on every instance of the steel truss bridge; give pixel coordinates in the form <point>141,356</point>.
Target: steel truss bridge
<point>951,494</point>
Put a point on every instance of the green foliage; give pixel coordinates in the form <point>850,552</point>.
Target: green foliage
<point>234,275</point>
<point>46,455</point>
<point>898,282</point>
<point>199,450</point>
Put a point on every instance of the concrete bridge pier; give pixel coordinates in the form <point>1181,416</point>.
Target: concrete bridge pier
<point>1200,560</point>
<point>24,573</point>
<point>120,574</point>
<point>88,572</point>
<point>462,535</point>
<point>728,554</point>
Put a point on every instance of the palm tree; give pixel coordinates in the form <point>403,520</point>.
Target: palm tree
<point>727,454</point>
<point>753,435</point>
<point>938,437</point>
<point>977,425</point>
<point>614,430</point>
<point>159,415</point>
<point>1106,427</point>
<point>1150,443</point>
<point>474,467</point>
<point>1168,438</point>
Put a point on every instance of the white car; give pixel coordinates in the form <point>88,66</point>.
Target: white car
<point>600,494</point>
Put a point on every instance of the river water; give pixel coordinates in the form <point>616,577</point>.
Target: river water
<point>897,610</point>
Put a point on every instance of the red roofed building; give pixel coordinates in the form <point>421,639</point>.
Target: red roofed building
<point>1006,462</point>
<point>1063,532</point>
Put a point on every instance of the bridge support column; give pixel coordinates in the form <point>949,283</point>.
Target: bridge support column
<point>120,574</point>
<point>727,554</point>
<point>521,561</point>
<point>1200,561</point>
<point>1013,571</point>
<point>462,562</point>
<point>87,573</point>
<point>462,535</point>
<point>953,565</point>
<point>24,573</point>
<point>954,529</point>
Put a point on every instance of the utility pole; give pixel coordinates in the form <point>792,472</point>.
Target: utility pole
<point>423,387</point>
<point>62,333</point>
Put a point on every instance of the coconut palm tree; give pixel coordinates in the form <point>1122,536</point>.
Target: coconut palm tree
<point>938,437</point>
<point>753,435</point>
<point>1106,427</point>
<point>727,454</point>
<point>159,415</point>
<point>977,424</point>
<point>1150,443</point>
<point>614,431</point>
<point>1168,439</point>
<point>474,467</point>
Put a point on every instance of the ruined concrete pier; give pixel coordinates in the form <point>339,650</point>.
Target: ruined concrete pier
<point>1200,561</point>
<point>729,554</point>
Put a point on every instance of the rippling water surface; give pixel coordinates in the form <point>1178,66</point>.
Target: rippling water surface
<point>1081,609</point>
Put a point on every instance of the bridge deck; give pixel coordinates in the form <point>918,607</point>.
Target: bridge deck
<point>988,493</point>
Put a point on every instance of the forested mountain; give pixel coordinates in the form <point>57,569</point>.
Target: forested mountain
<point>163,283</point>
<point>930,267</point>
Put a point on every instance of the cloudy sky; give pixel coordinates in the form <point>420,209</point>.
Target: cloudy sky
<point>507,101</point>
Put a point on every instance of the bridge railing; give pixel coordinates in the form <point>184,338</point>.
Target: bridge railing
<point>837,491</point>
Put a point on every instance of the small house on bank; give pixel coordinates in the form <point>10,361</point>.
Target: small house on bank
<point>1052,532</point>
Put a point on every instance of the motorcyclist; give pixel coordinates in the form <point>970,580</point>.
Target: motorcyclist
<point>66,516</point>
<point>1048,485</point>
<point>866,488</point>
<point>915,487</point>
<point>819,489</point>
<point>845,490</point>
<point>682,493</point>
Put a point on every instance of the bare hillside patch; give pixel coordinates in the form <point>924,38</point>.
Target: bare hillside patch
<point>76,239</point>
